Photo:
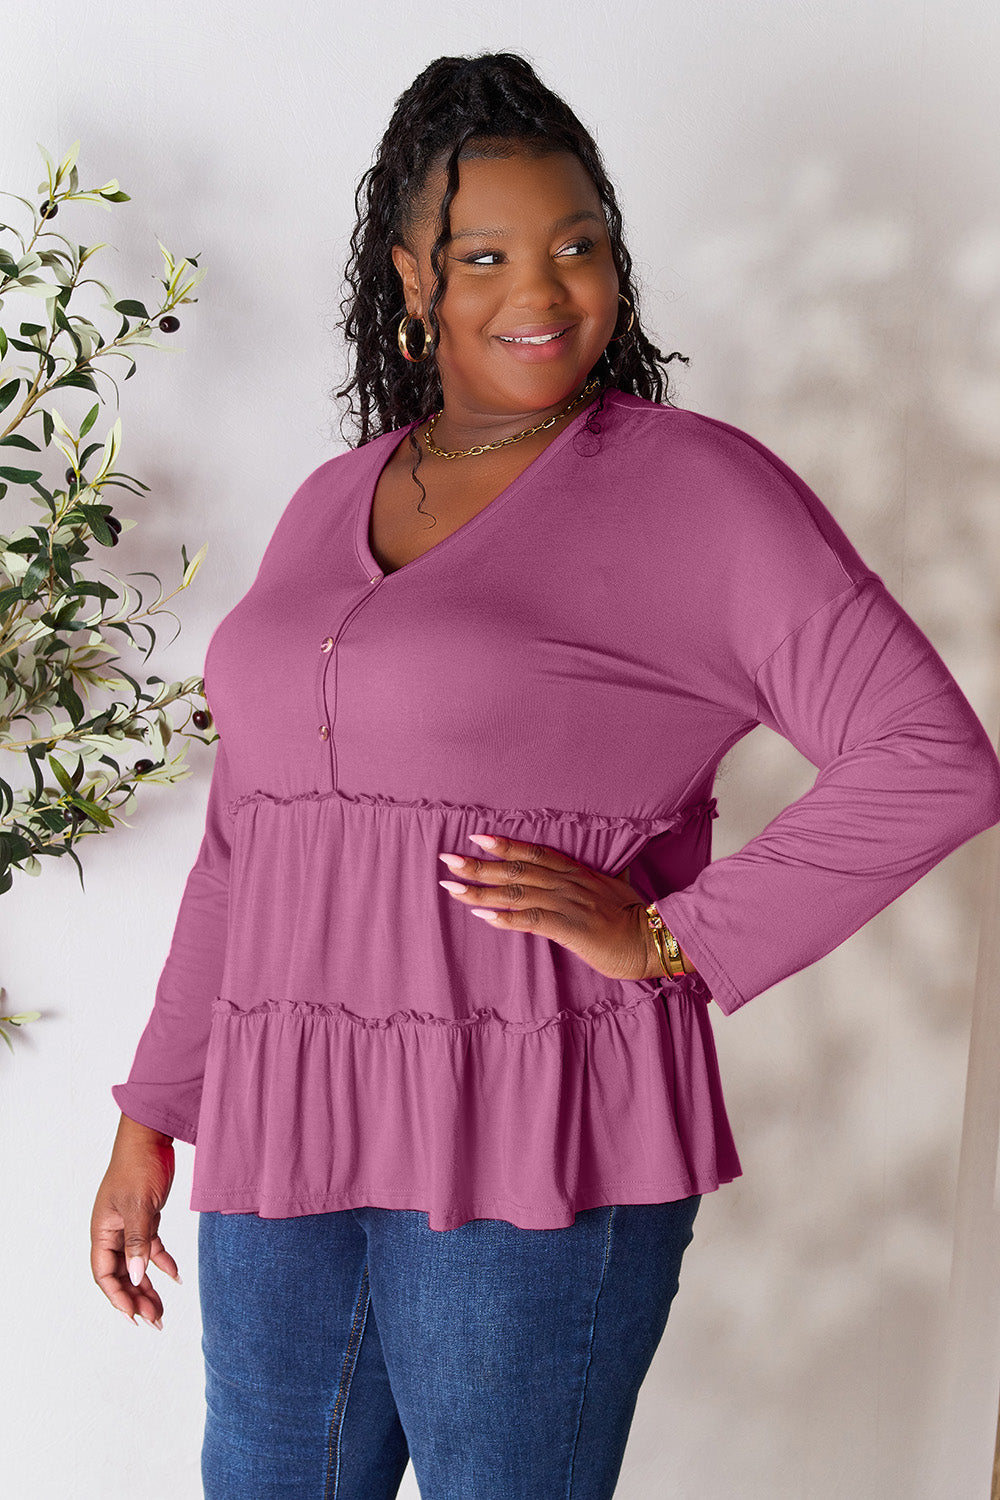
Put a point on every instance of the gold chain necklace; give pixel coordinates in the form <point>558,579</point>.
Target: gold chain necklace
<point>588,390</point>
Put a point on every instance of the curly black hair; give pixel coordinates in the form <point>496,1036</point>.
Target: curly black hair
<point>491,104</point>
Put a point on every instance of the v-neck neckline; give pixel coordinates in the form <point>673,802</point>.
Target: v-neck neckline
<point>366,499</point>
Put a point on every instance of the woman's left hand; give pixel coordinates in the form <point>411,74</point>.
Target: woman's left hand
<point>532,888</point>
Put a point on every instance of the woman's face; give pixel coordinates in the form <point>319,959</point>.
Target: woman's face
<point>530,256</point>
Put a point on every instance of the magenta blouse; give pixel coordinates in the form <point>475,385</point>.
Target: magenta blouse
<point>331,1028</point>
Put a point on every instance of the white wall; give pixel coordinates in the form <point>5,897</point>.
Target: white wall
<point>812,200</point>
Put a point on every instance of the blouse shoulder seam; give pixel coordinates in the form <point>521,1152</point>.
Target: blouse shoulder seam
<point>746,440</point>
<point>854,587</point>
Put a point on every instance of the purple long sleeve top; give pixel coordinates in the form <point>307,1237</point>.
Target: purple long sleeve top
<point>570,666</point>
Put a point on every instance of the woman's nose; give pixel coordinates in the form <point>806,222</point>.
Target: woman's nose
<point>537,286</point>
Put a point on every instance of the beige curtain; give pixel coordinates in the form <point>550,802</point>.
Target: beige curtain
<point>970,1373</point>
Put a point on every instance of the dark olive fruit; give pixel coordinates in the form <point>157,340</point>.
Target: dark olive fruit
<point>142,766</point>
<point>114,523</point>
<point>48,210</point>
<point>169,324</point>
<point>70,476</point>
<point>200,719</point>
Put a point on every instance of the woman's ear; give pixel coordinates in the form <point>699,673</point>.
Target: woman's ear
<point>406,264</point>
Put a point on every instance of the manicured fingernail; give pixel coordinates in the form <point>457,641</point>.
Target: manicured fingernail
<point>453,885</point>
<point>485,839</point>
<point>130,1316</point>
<point>136,1269</point>
<point>178,1280</point>
<point>453,861</point>
<point>149,1321</point>
<point>489,916</point>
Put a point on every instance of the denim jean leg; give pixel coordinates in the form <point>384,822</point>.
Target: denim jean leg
<point>500,1344</point>
<point>646,1245</point>
<point>369,1452</point>
<point>298,1401</point>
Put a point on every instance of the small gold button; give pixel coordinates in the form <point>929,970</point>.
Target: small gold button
<point>327,644</point>
<point>323,732</point>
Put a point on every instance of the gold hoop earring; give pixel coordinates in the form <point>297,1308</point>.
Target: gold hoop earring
<point>401,340</point>
<point>631,319</point>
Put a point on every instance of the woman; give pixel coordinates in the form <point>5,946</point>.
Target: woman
<point>452,1133</point>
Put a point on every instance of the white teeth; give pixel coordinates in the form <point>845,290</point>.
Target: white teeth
<point>542,338</point>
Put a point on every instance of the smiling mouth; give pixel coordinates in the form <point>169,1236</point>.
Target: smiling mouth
<point>539,338</point>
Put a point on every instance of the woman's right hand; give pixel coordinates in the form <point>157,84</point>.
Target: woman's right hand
<point>126,1217</point>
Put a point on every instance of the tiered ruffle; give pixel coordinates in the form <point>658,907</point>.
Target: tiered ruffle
<point>376,1044</point>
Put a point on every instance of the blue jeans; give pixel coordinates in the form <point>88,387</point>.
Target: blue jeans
<point>506,1362</point>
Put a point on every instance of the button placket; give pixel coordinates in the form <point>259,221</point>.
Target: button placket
<point>326,647</point>
<point>326,679</point>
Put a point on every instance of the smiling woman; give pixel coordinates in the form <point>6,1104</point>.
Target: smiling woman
<point>521,323</point>
<point>452,1133</point>
<point>530,304</point>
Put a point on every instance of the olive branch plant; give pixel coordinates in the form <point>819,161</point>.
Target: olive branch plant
<point>60,624</point>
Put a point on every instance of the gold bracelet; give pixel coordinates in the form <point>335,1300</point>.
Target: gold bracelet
<point>667,945</point>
